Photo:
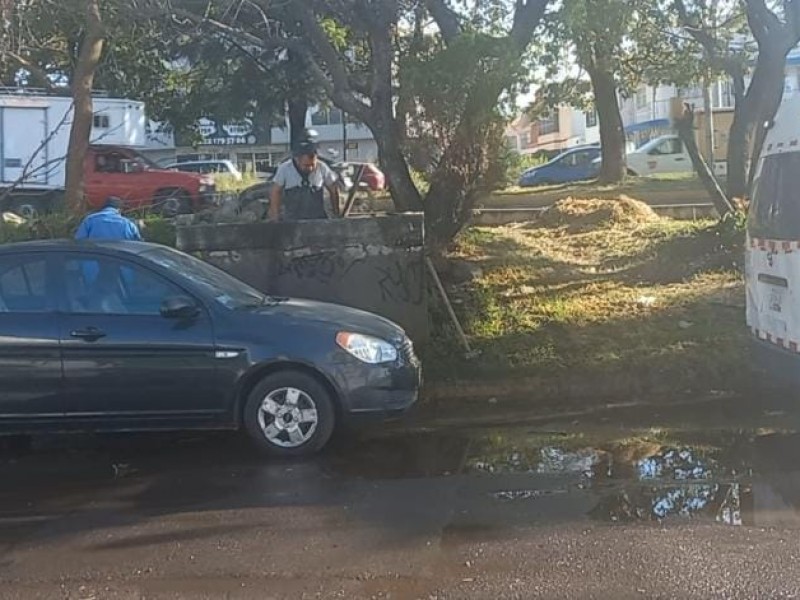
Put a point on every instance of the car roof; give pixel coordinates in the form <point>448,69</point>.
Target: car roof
<point>109,246</point>
<point>202,162</point>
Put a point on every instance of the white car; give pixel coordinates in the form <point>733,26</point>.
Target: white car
<point>208,167</point>
<point>665,154</point>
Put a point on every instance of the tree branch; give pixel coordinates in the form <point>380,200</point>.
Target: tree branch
<point>338,85</point>
<point>527,16</point>
<point>763,22</point>
<point>446,19</point>
<point>35,70</point>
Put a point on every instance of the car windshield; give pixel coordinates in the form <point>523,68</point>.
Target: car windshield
<point>225,289</point>
<point>141,158</point>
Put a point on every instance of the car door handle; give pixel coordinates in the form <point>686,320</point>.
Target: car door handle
<point>679,159</point>
<point>90,334</point>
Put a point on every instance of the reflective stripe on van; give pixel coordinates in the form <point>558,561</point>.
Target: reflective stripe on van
<point>790,345</point>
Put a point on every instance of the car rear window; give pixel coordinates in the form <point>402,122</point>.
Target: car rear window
<point>775,210</point>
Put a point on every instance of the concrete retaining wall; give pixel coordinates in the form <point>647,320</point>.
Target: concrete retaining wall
<point>372,263</point>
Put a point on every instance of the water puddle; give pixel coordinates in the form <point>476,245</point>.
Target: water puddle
<point>480,478</point>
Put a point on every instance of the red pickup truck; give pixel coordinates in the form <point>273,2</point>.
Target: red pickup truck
<point>140,183</point>
<point>126,174</point>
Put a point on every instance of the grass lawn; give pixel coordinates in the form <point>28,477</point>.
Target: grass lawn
<point>657,300</point>
<point>674,188</point>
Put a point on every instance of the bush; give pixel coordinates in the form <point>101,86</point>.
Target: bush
<point>60,225</point>
<point>228,183</point>
<point>510,164</point>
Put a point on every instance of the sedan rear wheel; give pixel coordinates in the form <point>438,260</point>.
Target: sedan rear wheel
<point>289,414</point>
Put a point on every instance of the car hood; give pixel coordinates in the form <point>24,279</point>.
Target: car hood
<point>168,175</point>
<point>340,318</point>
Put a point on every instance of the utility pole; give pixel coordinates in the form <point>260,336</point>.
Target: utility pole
<point>708,98</point>
<point>708,108</point>
<point>344,136</point>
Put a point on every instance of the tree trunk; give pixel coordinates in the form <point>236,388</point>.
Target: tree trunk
<point>686,131</point>
<point>453,191</point>
<point>768,101</point>
<point>612,133</point>
<point>737,136</point>
<point>298,109</point>
<point>89,57</point>
<point>387,133</point>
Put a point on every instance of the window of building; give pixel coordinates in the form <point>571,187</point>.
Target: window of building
<point>641,98</point>
<point>259,162</point>
<point>591,118</point>
<point>524,140</point>
<point>101,122</point>
<point>327,116</point>
<point>548,124</point>
<point>722,94</point>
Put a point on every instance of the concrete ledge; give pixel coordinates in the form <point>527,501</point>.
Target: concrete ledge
<point>374,263</point>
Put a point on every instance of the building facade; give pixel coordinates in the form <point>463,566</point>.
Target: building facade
<point>339,137</point>
<point>565,127</point>
<point>646,114</point>
<point>254,145</point>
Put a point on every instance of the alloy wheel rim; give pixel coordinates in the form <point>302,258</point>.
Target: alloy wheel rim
<point>288,417</point>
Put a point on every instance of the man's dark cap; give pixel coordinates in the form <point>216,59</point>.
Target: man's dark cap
<point>305,147</point>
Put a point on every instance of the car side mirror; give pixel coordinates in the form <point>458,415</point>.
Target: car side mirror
<point>179,307</point>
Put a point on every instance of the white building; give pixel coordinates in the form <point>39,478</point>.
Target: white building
<point>565,127</point>
<point>647,113</point>
<point>255,146</point>
<point>352,142</point>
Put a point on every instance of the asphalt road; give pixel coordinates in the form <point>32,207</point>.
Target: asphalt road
<point>516,512</point>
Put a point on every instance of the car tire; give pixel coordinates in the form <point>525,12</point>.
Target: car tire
<point>289,414</point>
<point>31,208</point>
<point>171,203</point>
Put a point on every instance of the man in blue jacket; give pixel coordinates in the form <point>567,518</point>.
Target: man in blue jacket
<point>108,224</point>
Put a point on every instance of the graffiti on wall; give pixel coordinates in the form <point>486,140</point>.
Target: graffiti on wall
<point>402,281</point>
<point>398,280</point>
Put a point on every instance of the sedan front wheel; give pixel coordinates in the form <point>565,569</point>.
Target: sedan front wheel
<point>289,414</point>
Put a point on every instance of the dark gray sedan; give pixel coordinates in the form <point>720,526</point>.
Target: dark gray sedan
<point>123,336</point>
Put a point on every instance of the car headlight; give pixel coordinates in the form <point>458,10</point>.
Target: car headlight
<point>366,348</point>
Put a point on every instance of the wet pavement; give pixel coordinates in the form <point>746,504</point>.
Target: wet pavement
<point>605,508</point>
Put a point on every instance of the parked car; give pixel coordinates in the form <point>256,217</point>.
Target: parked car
<point>208,167</point>
<point>664,154</point>
<point>372,178</point>
<point>577,164</point>
<point>140,183</point>
<point>126,174</point>
<point>124,336</point>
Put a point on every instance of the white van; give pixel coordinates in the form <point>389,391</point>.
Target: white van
<point>773,249</point>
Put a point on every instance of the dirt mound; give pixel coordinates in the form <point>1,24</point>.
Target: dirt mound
<point>580,215</point>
